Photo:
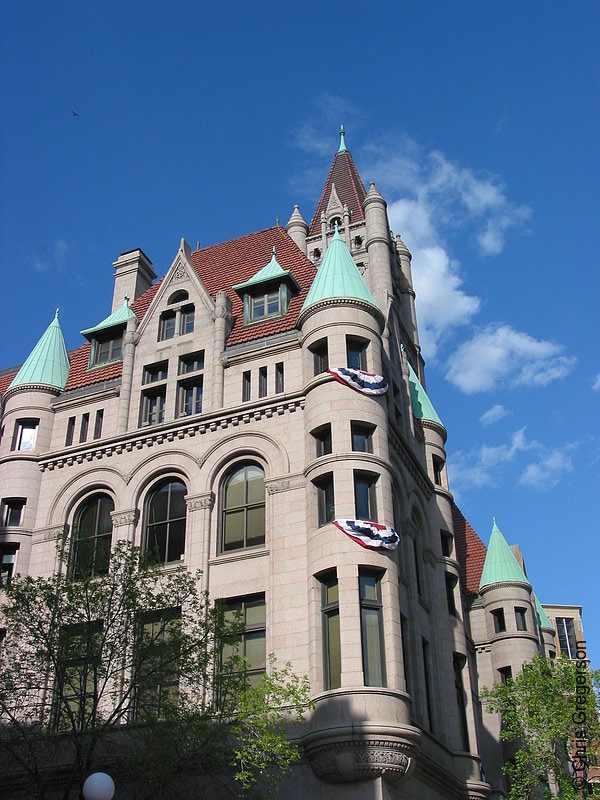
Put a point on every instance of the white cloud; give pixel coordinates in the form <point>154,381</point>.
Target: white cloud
<point>547,471</point>
<point>493,414</point>
<point>596,386</point>
<point>478,467</point>
<point>54,259</point>
<point>499,355</point>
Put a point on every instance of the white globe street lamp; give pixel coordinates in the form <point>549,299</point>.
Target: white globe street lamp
<point>99,786</point>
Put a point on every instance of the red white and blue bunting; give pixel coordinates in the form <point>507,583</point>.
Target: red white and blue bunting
<point>365,382</point>
<point>369,534</point>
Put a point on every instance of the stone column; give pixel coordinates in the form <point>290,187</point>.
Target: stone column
<point>197,539</point>
<point>130,339</point>
<point>124,523</point>
<point>222,318</point>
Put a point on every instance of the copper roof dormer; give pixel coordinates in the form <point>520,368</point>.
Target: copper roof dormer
<point>348,185</point>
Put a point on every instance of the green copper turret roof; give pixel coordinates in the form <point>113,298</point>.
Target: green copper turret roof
<point>338,276</point>
<point>342,147</point>
<point>543,620</point>
<point>500,564</point>
<point>270,272</point>
<point>421,404</point>
<point>118,317</point>
<point>48,362</point>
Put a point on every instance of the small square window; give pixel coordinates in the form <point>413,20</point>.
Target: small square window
<point>362,437</point>
<point>106,350</point>
<point>12,511</point>
<point>262,382</point>
<point>322,437</point>
<point>505,674</point>
<point>320,356</point>
<point>279,377</point>
<point>154,373</point>
<point>325,499</point>
<point>191,362</point>
<point>265,305</point>
<point>25,435</point>
<point>521,619</point>
<point>356,353</point>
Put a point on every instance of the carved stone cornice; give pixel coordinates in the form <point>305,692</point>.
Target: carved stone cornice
<point>54,533</point>
<point>200,501</point>
<point>348,760</point>
<point>128,517</point>
<point>284,484</point>
<point>429,556</point>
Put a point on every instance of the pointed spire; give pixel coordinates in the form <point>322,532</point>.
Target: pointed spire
<point>338,276</point>
<point>421,404</point>
<point>48,362</point>
<point>500,564</point>
<point>342,147</point>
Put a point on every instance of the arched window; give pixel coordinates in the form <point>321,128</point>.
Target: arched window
<point>165,521</point>
<point>243,508</point>
<point>178,297</point>
<point>92,534</point>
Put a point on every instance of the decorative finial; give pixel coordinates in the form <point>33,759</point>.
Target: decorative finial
<point>342,147</point>
<point>336,228</point>
<point>273,251</point>
<point>57,313</point>
<point>127,300</point>
<point>277,221</point>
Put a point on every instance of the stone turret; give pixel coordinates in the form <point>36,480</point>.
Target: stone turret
<point>297,229</point>
<point>378,248</point>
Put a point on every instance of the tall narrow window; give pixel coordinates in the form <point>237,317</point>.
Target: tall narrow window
<point>322,437</point>
<point>405,653</point>
<point>565,627</point>
<point>356,353</point>
<point>186,324</point>
<point>92,536</point>
<point>521,619</point>
<point>79,662</point>
<point>152,410</point>
<point>499,621</point>
<point>83,431</point>
<point>189,397</point>
<point>365,505</point>
<point>458,662</point>
<point>447,541</point>
<point>320,356</point>
<point>157,657</point>
<point>438,470</point>
<point>166,326</point>
<point>165,525</point>
<point>427,682</point>
<point>246,385</point>
<point>243,508</point>
<point>70,432</point>
<point>98,423</point>
<point>262,382</point>
<point>8,559</point>
<point>330,612</point>
<point>250,644</point>
<point>325,499</point>
<point>450,584</point>
<point>371,628</point>
<point>279,377</point>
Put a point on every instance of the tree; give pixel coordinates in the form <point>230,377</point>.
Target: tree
<point>124,672</point>
<point>550,715</point>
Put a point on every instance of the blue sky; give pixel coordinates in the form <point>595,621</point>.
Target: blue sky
<point>479,124</point>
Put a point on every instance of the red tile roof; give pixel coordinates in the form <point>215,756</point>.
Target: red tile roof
<point>470,552</point>
<point>6,380</point>
<point>348,186</point>
<point>219,267</point>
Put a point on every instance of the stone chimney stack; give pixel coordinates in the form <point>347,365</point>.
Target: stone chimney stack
<point>133,275</point>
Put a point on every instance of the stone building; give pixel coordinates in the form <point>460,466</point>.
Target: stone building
<point>200,420</point>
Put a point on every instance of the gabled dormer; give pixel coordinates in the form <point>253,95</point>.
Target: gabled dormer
<point>266,295</point>
<point>106,338</point>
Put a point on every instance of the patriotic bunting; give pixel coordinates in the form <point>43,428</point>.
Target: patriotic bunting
<point>364,382</point>
<point>369,534</point>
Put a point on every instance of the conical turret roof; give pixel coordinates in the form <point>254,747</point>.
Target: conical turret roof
<point>338,276</point>
<point>500,564</point>
<point>348,185</point>
<point>421,404</point>
<point>118,317</point>
<point>48,362</point>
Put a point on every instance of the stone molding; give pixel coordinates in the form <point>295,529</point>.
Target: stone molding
<point>51,534</point>
<point>128,517</point>
<point>199,501</point>
<point>349,760</point>
<point>179,273</point>
<point>284,484</point>
<point>166,432</point>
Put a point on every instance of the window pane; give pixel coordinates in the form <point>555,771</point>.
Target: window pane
<point>332,593</point>
<point>159,504</point>
<point>371,647</point>
<point>234,493</point>
<point>255,612</point>
<point>256,484</point>
<point>27,437</point>
<point>177,506</point>
<point>256,526</point>
<point>258,307</point>
<point>369,587</point>
<point>256,650</point>
<point>102,555</point>
<point>273,303</point>
<point>234,530</point>
<point>104,518</point>
<point>334,656</point>
<point>157,541</point>
<point>361,498</point>
<point>176,540</point>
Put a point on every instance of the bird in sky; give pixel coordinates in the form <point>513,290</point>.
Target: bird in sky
<point>75,114</point>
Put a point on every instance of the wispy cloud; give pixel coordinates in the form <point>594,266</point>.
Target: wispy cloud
<point>596,385</point>
<point>478,467</point>
<point>547,471</point>
<point>54,259</point>
<point>499,355</point>
<point>493,414</point>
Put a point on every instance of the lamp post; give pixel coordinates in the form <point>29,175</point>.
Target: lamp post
<point>99,786</point>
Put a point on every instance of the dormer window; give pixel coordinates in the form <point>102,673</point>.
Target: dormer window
<point>107,337</point>
<point>267,293</point>
<point>106,350</point>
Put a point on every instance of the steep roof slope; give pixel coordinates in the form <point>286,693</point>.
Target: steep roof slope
<point>349,188</point>
<point>470,552</point>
